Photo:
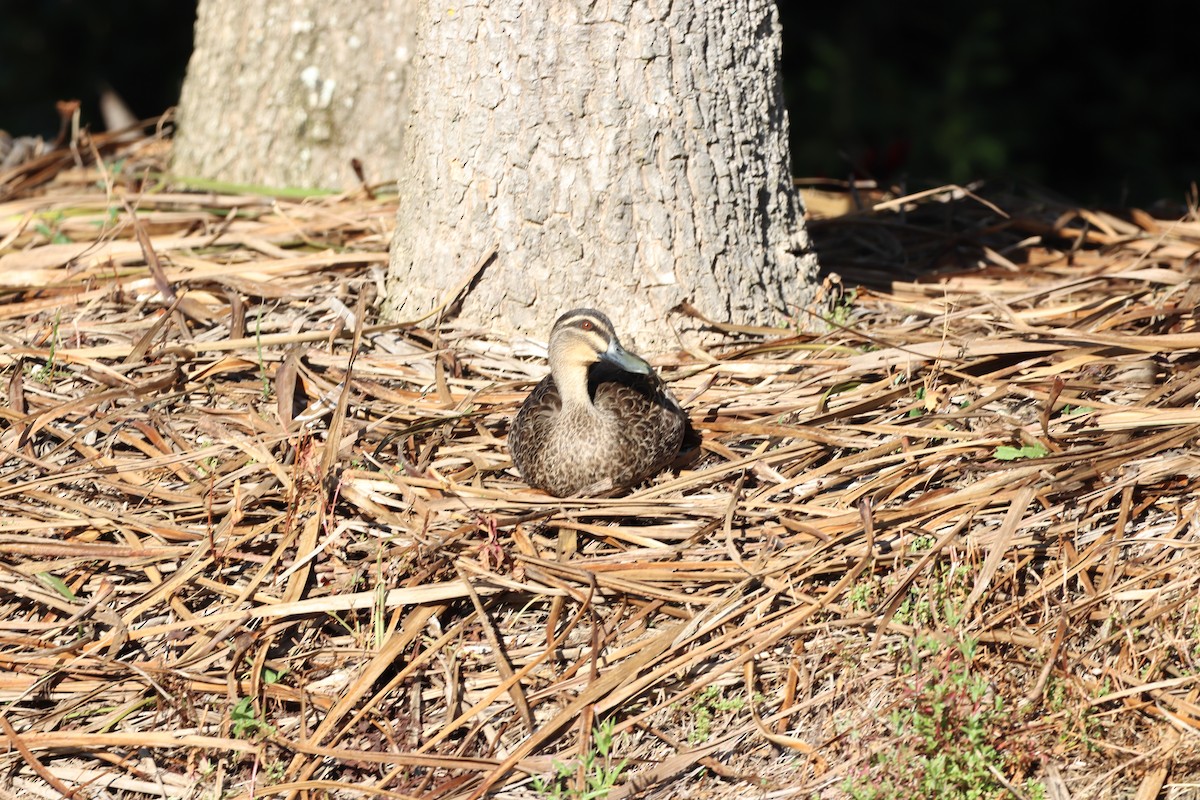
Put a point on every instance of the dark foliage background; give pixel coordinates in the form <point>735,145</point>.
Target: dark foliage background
<point>1098,102</point>
<point>1101,103</point>
<point>68,49</point>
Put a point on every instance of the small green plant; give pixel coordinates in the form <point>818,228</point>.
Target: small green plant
<point>1007,452</point>
<point>919,396</point>
<point>923,542</point>
<point>273,772</point>
<point>245,724</point>
<point>914,608</point>
<point>862,595</point>
<point>50,226</point>
<point>841,308</point>
<point>599,771</point>
<point>952,735</point>
<point>949,585</point>
<point>708,703</point>
<point>1081,726</point>
<point>934,602</point>
<point>49,371</point>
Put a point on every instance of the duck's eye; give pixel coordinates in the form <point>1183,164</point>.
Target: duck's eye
<point>586,325</point>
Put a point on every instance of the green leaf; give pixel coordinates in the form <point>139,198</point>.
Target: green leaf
<point>56,583</point>
<point>245,723</point>
<point>1009,453</point>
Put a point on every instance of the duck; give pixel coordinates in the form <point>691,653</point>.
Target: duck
<point>602,420</point>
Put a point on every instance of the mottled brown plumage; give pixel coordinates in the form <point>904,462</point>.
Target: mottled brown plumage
<point>602,419</point>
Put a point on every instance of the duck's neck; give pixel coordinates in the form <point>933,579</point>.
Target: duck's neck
<point>572,383</point>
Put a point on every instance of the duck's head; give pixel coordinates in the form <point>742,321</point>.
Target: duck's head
<point>584,337</point>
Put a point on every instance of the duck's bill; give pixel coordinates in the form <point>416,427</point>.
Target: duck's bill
<point>626,360</point>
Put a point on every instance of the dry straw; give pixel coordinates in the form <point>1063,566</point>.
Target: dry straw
<point>255,544</point>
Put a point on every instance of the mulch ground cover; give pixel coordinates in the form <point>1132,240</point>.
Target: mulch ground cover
<point>939,539</point>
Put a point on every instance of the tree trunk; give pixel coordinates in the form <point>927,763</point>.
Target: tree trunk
<point>287,92</point>
<point>626,155</point>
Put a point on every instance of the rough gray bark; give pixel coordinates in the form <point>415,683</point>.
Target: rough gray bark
<point>626,155</point>
<point>287,92</point>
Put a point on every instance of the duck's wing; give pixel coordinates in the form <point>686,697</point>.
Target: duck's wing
<point>651,421</point>
<point>531,423</point>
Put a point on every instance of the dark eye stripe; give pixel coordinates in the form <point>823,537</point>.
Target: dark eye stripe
<point>592,326</point>
<point>587,320</point>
